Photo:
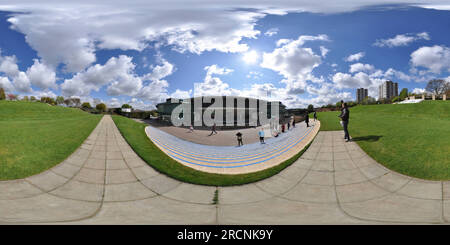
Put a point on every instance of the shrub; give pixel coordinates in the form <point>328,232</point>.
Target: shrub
<point>369,101</point>
<point>48,100</point>
<point>12,97</point>
<point>101,107</point>
<point>2,94</point>
<point>59,100</point>
<point>86,105</point>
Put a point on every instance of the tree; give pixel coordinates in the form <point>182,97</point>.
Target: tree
<point>369,101</point>
<point>59,100</point>
<point>403,94</point>
<point>76,102</point>
<point>68,102</point>
<point>126,106</point>
<point>2,94</point>
<point>101,107</point>
<point>310,107</point>
<point>437,86</point>
<point>25,98</point>
<point>48,100</point>
<point>32,98</point>
<point>12,97</point>
<point>86,105</point>
<point>339,104</point>
<point>396,98</point>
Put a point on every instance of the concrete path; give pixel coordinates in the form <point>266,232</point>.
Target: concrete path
<point>104,182</point>
<point>233,159</point>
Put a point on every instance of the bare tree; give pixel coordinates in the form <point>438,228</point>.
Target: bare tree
<point>437,86</point>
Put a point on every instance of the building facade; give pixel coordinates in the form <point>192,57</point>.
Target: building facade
<point>361,94</point>
<point>234,110</point>
<point>387,90</point>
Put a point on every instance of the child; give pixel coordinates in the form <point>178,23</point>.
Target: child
<point>239,138</point>
<point>261,136</point>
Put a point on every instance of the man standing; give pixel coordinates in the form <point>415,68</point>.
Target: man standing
<point>239,138</point>
<point>261,136</point>
<point>315,116</point>
<point>307,119</point>
<point>345,116</point>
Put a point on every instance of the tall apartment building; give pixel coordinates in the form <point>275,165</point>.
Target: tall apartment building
<point>387,90</point>
<point>361,94</point>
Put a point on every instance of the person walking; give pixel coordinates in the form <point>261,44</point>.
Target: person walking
<point>307,119</point>
<point>315,116</point>
<point>261,136</point>
<point>191,129</point>
<point>345,116</point>
<point>293,123</point>
<point>213,129</point>
<point>289,125</point>
<point>239,138</point>
<point>282,128</point>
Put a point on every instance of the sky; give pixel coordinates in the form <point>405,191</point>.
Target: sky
<point>298,52</point>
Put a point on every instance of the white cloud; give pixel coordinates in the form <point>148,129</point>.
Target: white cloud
<point>418,91</point>
<point>71,33</point>
<point>213,85</point>
<point>161,71</point>
<point>114,70</point>
<point>361,67</point>
<point>114,103</point>
<point>294,62</point>
<point>119,75</point>
<point>271,32</point>
<point>344,80</point>
<point>255,75</point>
<point>355,57</point>
<point>41,76</point>
<point>22,83</point>
<point>6,84</point>
<point>324,51</point>
<point>435,58</point>
<point>390,73</point>
<point>181,94</point>
<point>8,65</point>
<point>401,40</point>
<point>38,74</point>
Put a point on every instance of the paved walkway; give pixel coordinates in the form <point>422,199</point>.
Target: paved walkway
<point>104,182</point>
<point>225,137</point>
<point>232,159</point>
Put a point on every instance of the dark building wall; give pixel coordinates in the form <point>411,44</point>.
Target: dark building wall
<point>240,104</point>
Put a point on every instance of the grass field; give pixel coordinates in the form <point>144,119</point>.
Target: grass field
<point>35,136</point>
<point>134,134</point>
<point>413,139</point>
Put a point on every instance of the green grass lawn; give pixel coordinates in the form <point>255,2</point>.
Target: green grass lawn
<point>413,139</point>
<point>35,136</point>
<point>135,135</point>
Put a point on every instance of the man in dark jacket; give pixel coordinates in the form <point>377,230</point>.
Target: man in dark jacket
<point>345,116</point>
<point>239,138</point>
<point>307,119</point>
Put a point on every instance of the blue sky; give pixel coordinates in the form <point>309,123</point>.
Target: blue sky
<point>298,53</point>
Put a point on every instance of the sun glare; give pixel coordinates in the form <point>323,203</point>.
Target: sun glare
<point>250,57</point>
